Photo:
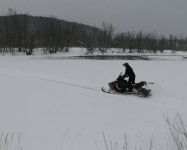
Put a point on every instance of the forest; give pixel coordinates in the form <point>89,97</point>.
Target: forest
<point>22,33</point>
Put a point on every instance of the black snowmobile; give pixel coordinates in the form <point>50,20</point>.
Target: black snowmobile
<point>120,85</point>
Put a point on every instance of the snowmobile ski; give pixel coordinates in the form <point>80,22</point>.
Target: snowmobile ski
<point>103,89</point>
<point>113,92</point>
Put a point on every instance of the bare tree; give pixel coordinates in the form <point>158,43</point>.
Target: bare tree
<point>67,37</point>
<point>162,43</point>
<point>139,41</point>
<point>106,37</point>
<point>178,132</point>
<point>130,36</point>
<point>120,41</point>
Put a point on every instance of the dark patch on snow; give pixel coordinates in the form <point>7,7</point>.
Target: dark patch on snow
<point>100,57</point>
<point>117,57</point>
<point>113,57</point>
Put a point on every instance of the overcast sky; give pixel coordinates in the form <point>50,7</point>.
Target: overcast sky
<point>160,16</point>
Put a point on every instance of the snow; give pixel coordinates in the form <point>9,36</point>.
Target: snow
<point>57,103</point>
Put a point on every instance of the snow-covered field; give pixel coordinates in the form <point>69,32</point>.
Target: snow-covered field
<point>57,104</point>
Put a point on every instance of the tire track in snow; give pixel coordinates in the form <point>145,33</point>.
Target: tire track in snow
<point>18,74</point>
<point>61,82</point>
<point>129,97</point>
<point>22,75</point>
<point>83,87</point>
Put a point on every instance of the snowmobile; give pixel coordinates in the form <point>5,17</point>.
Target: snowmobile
<point>120,85</point>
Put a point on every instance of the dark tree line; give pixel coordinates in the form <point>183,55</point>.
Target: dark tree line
<point>152,42</point>
<point>23,33</point>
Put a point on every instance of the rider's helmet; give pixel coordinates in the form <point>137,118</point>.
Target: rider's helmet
<point>125,64</point>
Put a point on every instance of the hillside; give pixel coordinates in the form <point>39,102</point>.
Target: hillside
<point>37,22</point>
<point>26,32</point>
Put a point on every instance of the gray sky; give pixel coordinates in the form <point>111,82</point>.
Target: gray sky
<point>160,16</point>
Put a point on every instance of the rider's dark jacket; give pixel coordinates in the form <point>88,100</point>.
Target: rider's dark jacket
<point>129,73</point>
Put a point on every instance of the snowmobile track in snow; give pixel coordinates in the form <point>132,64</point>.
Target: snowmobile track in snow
<point>61,82</point>
<point>65,83</point>
<point>75,85</point>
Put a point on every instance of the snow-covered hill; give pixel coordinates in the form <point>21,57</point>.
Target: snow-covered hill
<point>57,103</point>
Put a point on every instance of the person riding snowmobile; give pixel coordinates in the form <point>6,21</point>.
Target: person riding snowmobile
<point>129,73</point>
